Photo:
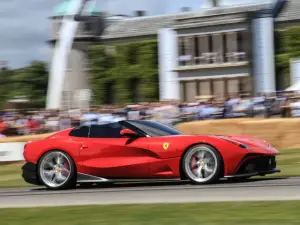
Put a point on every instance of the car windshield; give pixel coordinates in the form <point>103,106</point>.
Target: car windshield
<point>154,129</point>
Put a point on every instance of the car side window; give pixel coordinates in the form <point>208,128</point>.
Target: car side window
<point>111,130</point>
<point>80,132</point>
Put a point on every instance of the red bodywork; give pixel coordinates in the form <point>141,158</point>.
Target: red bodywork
<point>144,157</point>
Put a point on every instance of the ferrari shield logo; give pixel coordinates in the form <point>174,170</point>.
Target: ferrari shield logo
<point>166,146</point>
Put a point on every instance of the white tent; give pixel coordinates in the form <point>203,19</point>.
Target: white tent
<point>295,75</point>
<point>294,87</point>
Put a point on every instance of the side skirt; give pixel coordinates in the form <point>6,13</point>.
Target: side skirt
<point>260,173</point>
<point>85,178</point>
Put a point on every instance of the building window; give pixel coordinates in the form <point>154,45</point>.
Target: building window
<point>241,51</point>
<point>182,91</point>
<point>88,27</point>
<point>239,42</point>
<point>181,51</point>
<point>196,50</point>
<point>210,43</point>
<point>210,48</point>
<point>225,47</point>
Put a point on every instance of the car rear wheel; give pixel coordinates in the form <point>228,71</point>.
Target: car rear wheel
<point>202,164</point>
<point>56,170</point>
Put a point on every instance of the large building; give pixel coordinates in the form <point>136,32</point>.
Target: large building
<point>201,53</point>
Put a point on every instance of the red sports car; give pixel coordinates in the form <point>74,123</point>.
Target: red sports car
<point>140,150</point>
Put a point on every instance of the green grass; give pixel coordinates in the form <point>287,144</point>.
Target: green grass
<point>258,213</point>
<point>11,176</point>
<point>288,162</point>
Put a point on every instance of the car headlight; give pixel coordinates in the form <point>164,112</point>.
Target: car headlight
<point>238,144</point>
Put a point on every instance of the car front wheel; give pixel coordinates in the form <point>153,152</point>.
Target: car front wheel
<point>202,164</point>
<point>56,170</point>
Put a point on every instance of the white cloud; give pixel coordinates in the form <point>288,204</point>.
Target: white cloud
<point>24,28</point>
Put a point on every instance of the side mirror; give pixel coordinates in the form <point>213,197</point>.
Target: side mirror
<point>128,133</point>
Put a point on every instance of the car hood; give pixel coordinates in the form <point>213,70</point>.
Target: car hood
<point>247,140</point>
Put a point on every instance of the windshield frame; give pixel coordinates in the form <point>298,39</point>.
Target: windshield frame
<point>136,126</point>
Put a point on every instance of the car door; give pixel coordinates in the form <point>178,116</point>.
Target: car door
<point>77,137</point>
<point>109,155</point>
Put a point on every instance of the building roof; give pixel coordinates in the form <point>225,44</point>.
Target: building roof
<point>141,26</point>
<point>146,26</point>
<point>291,12</point>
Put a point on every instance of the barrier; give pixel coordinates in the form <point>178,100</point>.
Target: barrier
<point>25,138</point>
<point>281,133</point>
<point>11,148</point>
<point>11,152</point>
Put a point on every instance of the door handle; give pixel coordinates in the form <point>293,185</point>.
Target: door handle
<point>83,146</point>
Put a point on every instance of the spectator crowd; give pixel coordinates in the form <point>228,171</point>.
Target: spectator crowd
<point>25,122</point>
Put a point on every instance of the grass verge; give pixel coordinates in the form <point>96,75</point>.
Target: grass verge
<point>288,162</point>
<point>11,176</point>
<point>259,213</point>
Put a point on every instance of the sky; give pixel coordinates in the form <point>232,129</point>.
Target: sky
<point>25,25</point>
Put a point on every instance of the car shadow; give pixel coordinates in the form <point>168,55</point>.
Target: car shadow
<point>162,183</point>
<point>252,180</point>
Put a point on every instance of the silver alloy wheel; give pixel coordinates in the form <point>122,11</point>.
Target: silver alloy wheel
<point>201,164</point>
<point>55,169</point>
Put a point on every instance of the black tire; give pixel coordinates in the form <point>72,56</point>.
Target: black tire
<point>72,179</point>
<point>218,171</point>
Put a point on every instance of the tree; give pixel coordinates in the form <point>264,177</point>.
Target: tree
<point>34,80</point>
<point>30,82</point>
<point>5,84</point>
<point>129,74</point>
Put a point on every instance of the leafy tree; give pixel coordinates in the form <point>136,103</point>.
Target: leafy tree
<point>30,82</point>
<point>33,82</point>
<point>5,84</point>
<point>115,72</point>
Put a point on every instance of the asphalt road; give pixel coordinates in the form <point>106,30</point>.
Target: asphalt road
<point>175,192</point>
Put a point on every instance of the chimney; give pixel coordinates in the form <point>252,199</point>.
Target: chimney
<point>140,13</point>
<point>215,3</point>
<point>185,9</point>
